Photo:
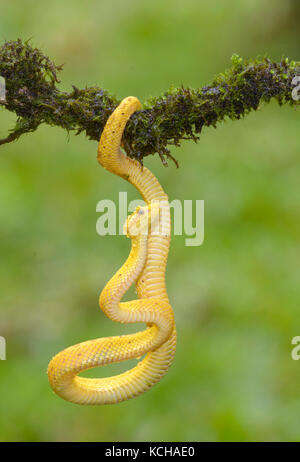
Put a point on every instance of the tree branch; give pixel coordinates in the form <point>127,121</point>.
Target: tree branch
<point>180,113</point>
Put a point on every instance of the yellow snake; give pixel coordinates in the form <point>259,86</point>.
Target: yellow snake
<point>146,266</point>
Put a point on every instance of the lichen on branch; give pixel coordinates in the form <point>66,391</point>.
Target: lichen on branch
<point>32,92</point>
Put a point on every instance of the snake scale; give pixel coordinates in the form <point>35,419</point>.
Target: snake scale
<point>146,266</point>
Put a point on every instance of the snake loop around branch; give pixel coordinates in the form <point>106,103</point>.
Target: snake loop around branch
<point>146,266</point>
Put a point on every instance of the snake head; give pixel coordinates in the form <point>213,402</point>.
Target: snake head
<point>142,221</point>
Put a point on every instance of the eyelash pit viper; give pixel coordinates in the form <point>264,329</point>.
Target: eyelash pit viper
<point>146,266</point>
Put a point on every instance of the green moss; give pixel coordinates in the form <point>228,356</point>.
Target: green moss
<point>180,113</point>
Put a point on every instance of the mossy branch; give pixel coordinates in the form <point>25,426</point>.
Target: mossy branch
<point>180,113</point>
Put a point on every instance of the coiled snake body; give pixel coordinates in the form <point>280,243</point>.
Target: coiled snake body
<point>146,266</point>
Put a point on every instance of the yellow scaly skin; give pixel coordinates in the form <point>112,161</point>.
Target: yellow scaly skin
<point>146,266</point>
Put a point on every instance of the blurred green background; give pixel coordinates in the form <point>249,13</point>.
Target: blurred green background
<point>236,297</point>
